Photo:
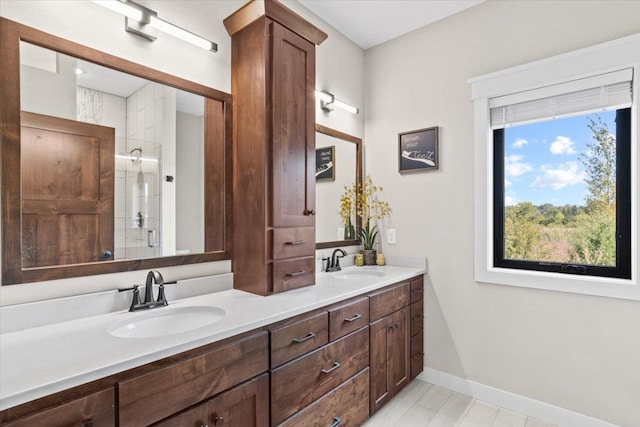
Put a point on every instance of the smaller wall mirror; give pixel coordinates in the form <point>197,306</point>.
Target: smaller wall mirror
<point>338,164</point>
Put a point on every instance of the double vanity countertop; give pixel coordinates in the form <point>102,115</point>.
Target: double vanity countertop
<point>42,360</point>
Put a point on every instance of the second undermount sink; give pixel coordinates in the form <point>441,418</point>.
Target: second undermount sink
<point>166,321</point>
<point>358,274</point>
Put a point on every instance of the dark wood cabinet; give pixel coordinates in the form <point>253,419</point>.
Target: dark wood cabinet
<point>93,410</point>
<point>390,367</point>
<point>273,87</point>
<point>391,363</point>
<point>417,326</point>
<point>244,405</point>
<point>335,364</point>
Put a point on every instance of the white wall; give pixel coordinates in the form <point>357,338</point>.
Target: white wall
<point>577,352</point>
<point>340,67</point>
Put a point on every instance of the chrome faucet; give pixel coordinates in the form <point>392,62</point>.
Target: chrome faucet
<point>333,263</point>
<point>153,277</point>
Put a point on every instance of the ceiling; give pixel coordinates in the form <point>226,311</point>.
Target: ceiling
<point>372,22</point>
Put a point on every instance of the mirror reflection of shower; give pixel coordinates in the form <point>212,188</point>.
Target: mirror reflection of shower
<point>139,193</point>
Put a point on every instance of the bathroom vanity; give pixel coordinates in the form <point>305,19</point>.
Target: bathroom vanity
<point>334,352</point>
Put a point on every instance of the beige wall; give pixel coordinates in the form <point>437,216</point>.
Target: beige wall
<point>340,67</point>
<point>574,351</point>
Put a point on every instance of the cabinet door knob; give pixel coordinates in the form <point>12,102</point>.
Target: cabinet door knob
<point>354,318</point>
<point>309,336</point>
<point>335,366</point>
<point>336,422</point>
<point>308,212</point>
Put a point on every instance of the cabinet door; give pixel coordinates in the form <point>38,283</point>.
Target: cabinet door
<point>244,406</point>
<point>381,390</point>
<point>293,127</point>
<point>399,350</point>
<point>390,368</point>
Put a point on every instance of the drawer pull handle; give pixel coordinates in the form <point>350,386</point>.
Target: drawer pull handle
<point>296,242</point>
<point>335,366</point>
<point>296,273</point>
<point>311,335</point>
<point>354,318</point>
<point>336,422</point>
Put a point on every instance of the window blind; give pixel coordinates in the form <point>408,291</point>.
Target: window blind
<point>609,91</point>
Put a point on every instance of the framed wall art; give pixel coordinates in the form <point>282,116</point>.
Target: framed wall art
<point>325,163</point>
<point>418,150</point>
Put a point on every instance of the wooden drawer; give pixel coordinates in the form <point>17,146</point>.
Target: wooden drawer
<point>293,242</point>
<point>293,273</point>
<point>299,383</point>
<point>417,354</point>
<point>347,405</point>
<point>388,300</point>
<point>95,410</point>
<point>347,318</point>
<point>299,337</point>
<point>417,317</point>
<point>417,289</point>
<point>151,397</point>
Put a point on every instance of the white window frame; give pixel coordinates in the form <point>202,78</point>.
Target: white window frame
<point>592,61</point>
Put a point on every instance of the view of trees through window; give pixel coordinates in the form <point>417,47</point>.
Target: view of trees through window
<point>560,190</point>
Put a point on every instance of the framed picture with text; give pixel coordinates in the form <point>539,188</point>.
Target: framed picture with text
<point>325,164</point>
<point>418,150</point>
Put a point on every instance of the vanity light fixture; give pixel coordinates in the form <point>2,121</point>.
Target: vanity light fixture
<point>328,101</point>
<point>144,22</point>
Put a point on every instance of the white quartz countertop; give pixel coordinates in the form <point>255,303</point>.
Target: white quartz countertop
<point>43,360</point>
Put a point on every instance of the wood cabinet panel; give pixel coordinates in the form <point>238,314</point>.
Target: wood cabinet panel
<point>293,100</point>
<point>293,273</point>
<point>347,405</point>
<point>293,242</point>
<point>388,300</point>
<point>304,334</point>
<point>244,405</point>
<point>94,410</point>
<point>417,354</point>
<point>389,362</point>
<point>417,317</point>
<point>417,289</point>
<point>149,398</point>
<point>348,318</point>
<point>302,381</point>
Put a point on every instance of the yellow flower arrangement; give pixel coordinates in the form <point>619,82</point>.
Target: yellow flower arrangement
<point>367,206</point>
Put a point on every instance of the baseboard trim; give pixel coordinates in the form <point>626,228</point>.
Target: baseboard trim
<point>531,407</point>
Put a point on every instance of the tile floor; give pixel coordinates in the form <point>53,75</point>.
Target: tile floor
<point>421,404</point>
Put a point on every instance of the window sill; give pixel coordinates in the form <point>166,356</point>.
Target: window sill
<point>577,284</point>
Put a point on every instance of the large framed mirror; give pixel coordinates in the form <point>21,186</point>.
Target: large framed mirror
<point>338,164</point>
<point>107,165</point>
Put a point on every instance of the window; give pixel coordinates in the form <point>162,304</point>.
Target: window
<point>556,159</point>
<point>561,185</point>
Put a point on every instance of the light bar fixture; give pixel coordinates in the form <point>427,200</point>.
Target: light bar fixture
<point>144,22</point>
<point>328,101</point>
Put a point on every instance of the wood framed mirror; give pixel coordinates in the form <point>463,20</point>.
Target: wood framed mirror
<point>95,188</point>
<point>338,163</point>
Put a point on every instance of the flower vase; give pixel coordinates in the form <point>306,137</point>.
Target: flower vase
<point>369,256</point>
<point>349,231</point>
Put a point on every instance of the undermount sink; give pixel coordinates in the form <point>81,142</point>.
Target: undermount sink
<point>166,321</point>
<point>358,274</point>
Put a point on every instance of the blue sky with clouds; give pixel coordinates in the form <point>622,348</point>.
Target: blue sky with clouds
<point>542,160</point>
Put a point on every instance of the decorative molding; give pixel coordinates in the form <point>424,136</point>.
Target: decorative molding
<point>515,402</point>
